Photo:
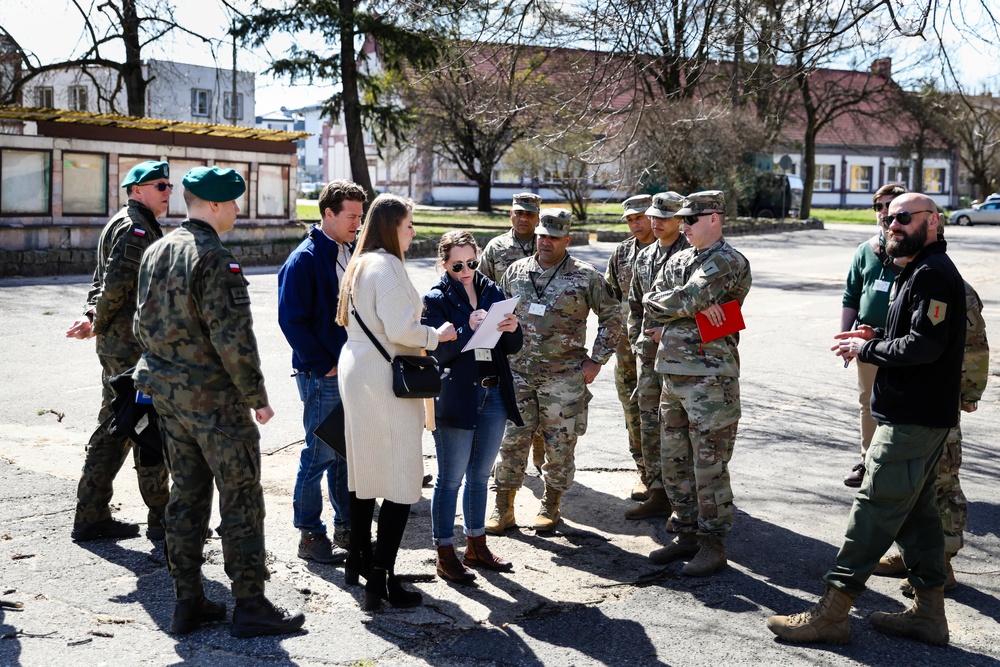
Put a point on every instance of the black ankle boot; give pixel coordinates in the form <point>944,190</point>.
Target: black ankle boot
<point>375,590</point>
<point>399,596</point>
<point>358,563</point>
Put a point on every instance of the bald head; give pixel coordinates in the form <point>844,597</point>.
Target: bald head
<point>921,227</point>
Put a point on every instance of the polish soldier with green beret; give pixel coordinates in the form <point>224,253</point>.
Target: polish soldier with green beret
<point>619,276</point>
<point>700,401</point>
<point>201,366</point>
<point>551,372</point>
<point>108,316</point>
<point>516,244</point>
<point>643,335</point>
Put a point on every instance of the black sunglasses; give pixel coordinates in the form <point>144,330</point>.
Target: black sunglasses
<point>878,206</point>
<point>692,219</point>
<point>457,267</point>
<point>904,217</point>
<point>161,186</point>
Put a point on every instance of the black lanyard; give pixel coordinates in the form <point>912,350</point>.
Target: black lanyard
<point>530,250</point>
<point>551,278</point>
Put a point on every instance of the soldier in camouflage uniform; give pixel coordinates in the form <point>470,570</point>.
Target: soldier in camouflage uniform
<point>108,315</point>
<point>641,329</point>
<point>700,403</point>
<point>508,248</point>
<point>619,276</point>
<point>201,367</point>
<point>553,369</point>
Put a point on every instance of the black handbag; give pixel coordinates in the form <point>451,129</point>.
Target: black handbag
<point>413,376</point>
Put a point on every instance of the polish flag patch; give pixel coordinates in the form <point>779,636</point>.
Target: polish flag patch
<point>234,267</point>
<point>139,232</point>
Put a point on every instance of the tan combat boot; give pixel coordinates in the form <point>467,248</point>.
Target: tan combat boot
<point>657,505</point>
<point>891,566</point>
<point>684,545</point>
<point>503,514</point>
<point>548,513</point>
<point>950,583</point>
<point>924,621</point>
<point>711,558</point>
<point>641,490</point>
<point>828,622</point>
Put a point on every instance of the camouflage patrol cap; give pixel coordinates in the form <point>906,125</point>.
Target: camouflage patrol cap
<point>526,201</point>
<point>708,201</point>
<point>215,184</point>
<point>554,222</point>
<point>666,204</point>
<point>150,170</point>
<point>636,204</point>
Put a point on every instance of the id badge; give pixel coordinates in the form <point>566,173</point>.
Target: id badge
<point>536,309</point>
<point>882,285</point>
<point>484,354</point>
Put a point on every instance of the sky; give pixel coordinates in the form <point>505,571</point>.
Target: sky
<point>977,59</point>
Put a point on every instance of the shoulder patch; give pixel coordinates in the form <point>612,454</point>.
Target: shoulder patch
<point>133,253</point>
<point>710,269</point>
<point>234,267</point>
<point>936,311</point>
<point>239,295</point>
<point>138,231</point>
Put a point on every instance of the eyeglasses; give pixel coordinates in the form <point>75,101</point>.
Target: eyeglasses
<point>692,219</point>
<point>457,267</point>
<point>904,217</point>
<point>878,206</point>
<point>161,186</point>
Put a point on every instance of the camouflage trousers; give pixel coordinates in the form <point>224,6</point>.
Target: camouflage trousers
<point>950,499</point>
<point>625,383</point>
<point>698,420</point>
<point>649,386</point>
<point>555,404</point>
<point>106,455</point>
<point>207,451</point>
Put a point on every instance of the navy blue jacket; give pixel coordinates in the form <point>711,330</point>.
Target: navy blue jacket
<point>447,302</point>
<point>308,291</point>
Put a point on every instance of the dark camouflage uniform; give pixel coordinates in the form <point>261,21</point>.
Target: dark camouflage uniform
<point>112,301</point>
<point>549,384</point>
<point>619,277</point>
<point>700,403</point>
<point>975,373</point>
<point>649,263</point>
<point>201,366</point>
<point>501,252</point>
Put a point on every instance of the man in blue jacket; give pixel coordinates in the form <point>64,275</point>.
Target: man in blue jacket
<point>308,287</point>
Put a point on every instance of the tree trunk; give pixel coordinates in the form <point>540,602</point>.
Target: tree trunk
<point>351,102</point>
<point>131,69</point>
<point>485,182</point>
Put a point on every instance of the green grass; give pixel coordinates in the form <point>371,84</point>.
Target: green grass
<point>852,216</point>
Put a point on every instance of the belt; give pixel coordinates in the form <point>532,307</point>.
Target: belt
<point>489,381</point>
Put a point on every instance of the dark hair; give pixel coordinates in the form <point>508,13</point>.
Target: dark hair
<point>889,190</point>
<point>336,192</point>
<point>380,231</point>
<point>453,239</point>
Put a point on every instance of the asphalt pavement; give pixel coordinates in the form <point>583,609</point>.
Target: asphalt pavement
<point>584,595</point>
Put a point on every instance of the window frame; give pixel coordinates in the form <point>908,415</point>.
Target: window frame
<point>47,176</point>
<point>48,91</point>
<point>104,188</point>
<point>75,92</point>
<point>817,180</point>
<point>196,93</point>
<point>854,182</point>
<point>226,97</point>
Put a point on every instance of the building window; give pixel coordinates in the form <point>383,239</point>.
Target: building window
<point>933,181</point>
<point>272,191</point>
<point>25,181</point>
<point>85,184</point>
<point>824,178</point>
<point>78,98</point>
<point>243,169</point>
<point>177,207</point>
<point>201,102</point>
<point>44,97</point>
<point>861,178</point>
<point>899,175</point>
<point>227,100</point>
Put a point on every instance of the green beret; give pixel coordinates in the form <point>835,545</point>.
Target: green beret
<point>665,204</point>
<point>215,184</point>
<point>144,172</point>
<point>554,222</point>
<point>635,204</point>
<point>526,201</point>
<point>708,201</point>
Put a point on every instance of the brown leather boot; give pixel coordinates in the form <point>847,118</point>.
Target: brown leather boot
<point>711,558</point>
<point>828,622</point>
<point>548,513</point>
<point>450,568</point>
<point>477,554</point>
<point>684,545</point>
<point>924,621</point>
<point>503,514</point>
<point>657,505</point>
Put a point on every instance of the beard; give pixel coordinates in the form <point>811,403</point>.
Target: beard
<point>910,244</point>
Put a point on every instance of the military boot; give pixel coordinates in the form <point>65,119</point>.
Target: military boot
<point>684,545</point>
<point>191,614</point>
<point>256,616</point>
<point>950,583</point>
<point>711,558</point>
<point>640,491</point>
<point>828,622</point>
<point>657,505</point>
<point>503,513</point>
<point>548,513</point>
<point>924,621</point>
<point>891,566</point>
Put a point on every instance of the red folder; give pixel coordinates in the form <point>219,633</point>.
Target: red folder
<point>732,323</point>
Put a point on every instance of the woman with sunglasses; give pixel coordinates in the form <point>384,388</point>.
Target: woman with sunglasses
<point>477,399</point>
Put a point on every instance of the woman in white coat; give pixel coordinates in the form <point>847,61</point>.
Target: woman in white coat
<point>383,432</point>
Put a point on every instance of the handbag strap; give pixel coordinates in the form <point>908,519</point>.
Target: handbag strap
<point>374,340</point>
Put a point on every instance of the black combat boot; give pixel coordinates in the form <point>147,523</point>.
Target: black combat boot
<point>257,616</point>
<point>192,613</point>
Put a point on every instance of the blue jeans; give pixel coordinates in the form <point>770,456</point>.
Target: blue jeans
<point>320,396</point>
<point>469,453</point>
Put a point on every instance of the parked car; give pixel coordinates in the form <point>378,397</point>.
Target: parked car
<point>987,213</point>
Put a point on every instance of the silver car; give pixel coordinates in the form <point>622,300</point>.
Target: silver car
<point>987,213</point>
